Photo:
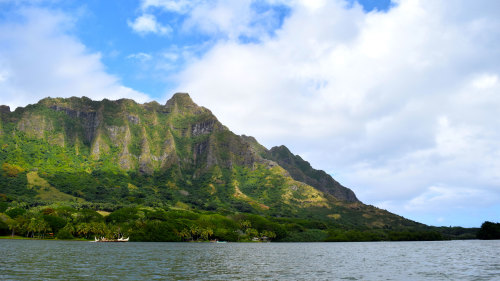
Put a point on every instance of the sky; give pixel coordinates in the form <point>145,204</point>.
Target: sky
<point>397,100</point>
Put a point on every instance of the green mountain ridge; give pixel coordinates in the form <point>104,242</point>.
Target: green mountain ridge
<point>177,155</point>
<point>302,171</point>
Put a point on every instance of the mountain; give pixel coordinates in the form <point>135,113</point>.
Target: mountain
<point>301,170</point>
<point>178,155</point>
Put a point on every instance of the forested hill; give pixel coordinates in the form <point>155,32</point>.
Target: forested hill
<point>105,155</point>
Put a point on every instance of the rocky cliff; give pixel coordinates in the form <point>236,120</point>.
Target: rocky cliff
<point>176,154</point>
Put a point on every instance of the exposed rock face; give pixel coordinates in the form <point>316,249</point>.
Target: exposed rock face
<point>169,155</point>
<point>133,119</point>
<point>34,125</point>
<point>202,128</point>
<point>4,109</point>
<point>145,159</point>
<point>150,138</point>
<point>89,120</point>
<point>99,147</point>
<point>121,137</point>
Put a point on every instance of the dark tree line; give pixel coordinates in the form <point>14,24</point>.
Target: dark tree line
<point>489,231</point>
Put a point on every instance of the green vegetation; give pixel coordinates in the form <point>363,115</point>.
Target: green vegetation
<point>489,231</point>
<point>70,221</point>
<point>77,168</point>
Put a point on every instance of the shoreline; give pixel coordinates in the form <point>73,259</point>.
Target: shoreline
<point>90,240</point>
<point>16,237</point>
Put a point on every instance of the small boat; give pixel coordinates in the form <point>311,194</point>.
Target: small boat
<point>104,239</point>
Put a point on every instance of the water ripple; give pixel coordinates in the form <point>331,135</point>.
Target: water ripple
<point>69,260</point>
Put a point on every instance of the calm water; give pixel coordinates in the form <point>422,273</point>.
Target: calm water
<point>66,260</point>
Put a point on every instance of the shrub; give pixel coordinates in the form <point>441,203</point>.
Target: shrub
<point>15,212</point>
<point>64,234</point>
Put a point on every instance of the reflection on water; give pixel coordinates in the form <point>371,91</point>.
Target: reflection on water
<point>69,260</point>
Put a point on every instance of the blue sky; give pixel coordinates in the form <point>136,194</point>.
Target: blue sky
<point>103,27</point>
<point>397,100</point>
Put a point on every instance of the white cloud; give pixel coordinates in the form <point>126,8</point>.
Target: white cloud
<point>219,18</point>
<point>439,198</point>
<point>179,6</point>
<point>231,18</point>
<point>313,5</point>
<point>391,103</point>
<point>170,56</point>
<point>485,81</point>
<point>40,59</point>
<point>147,23</point>
<point>140,57</point>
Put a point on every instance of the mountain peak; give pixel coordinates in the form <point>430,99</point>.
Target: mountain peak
<point>181,99</point>
<point>181,103</point>
<point>4,109</point>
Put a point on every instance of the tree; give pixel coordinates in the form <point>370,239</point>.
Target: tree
<point>185,234</point>
<point>31,227</point>
<point>206,233</point>
<point>122,215</point>
<point>13,225</point>
<point>267,233</point>
<point>38,226</point>
<point>251,233</point>
<point>489,231</point>
<point>82,229</point>
<point>244,224</point>
<point>99,229</point>
<point>15,212</point>
<point>194,231</point>
<point>42,227</point>
<point>69,228</point>
<point>12,170</point>
<point>55,222</point>
<point>64,234</point>
<point>87,216</point>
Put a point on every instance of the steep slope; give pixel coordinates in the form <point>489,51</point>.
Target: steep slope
<point>302,171</point>
<point>177,155</point>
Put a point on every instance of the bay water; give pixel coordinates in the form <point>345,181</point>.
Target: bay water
<point>72,260</point>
